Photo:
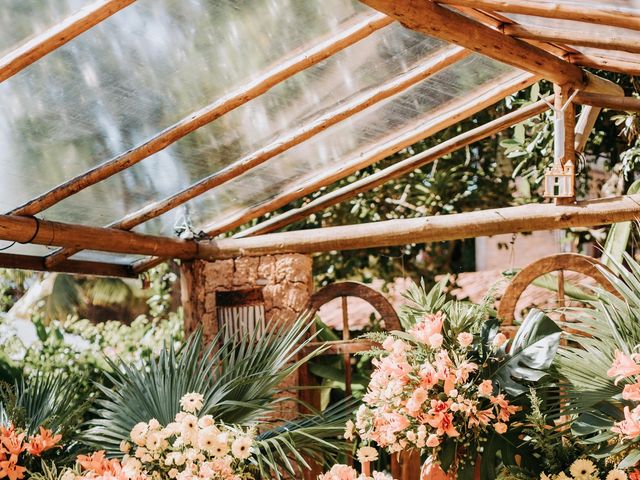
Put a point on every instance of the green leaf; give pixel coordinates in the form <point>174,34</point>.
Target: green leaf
<point>630,460</point>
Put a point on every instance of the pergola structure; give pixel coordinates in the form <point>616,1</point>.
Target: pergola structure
<point>128,116</point>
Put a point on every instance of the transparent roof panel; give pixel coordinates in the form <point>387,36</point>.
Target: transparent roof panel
<point>105,257</point>
<point>158,61</point>
<point>22,19</point>
<point>317,91</point>
<point>30,249</point>
<point>339,144</point>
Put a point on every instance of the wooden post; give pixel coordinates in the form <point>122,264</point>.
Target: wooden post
<point>564,103</point>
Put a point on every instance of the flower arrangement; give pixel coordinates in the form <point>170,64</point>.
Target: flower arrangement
<point>585,469</point>
<point>447,385</point>
<point>626,367</point>
<point>19,453</point>
<point>192,447</point>
<point>345,472</point>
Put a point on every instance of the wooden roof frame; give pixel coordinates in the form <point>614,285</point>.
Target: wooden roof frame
<point>482,29</point>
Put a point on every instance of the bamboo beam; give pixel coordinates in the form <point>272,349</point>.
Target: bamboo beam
<point>446,116</point>
<point>601,62</point>
<point>439,61</point>
<point>208,114</point>
<point>76,267</point>
<point>44,232</point>
<point>57,35</point>
<point>609,41</point>
<point>603,15</point>
<point>625,104</point>
<point>431,19</point>
<point>396,170</point>
<point>525,218</point>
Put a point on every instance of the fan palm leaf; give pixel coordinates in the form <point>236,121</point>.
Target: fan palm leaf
<point>239,381</point>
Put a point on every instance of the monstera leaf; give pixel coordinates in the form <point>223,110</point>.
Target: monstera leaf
<point>529,356</point>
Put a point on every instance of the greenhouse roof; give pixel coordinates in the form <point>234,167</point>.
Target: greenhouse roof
<point>160,116</point>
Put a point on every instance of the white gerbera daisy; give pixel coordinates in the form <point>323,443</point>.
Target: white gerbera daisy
<point>241,447</point>
<point>617,475</point>
<point>582,468</point>
<point>192,402</point>
<point>367,454</point>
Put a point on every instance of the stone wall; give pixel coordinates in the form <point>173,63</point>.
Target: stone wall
<point>286,282</point>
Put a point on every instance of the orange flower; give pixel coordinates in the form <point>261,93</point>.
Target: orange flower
<point>10,469</point>
<point>13,445</point>
<point>42,442</point>
<point>97,463</point>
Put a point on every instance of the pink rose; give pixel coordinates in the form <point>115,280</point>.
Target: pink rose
<point>500,427</point>
<point>433,441</point>
<point>485,388</point>
<point>465,339</point>
<point>499,340</point>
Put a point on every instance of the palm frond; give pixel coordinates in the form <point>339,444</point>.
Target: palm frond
<point>239,381</point>
<point>291,446</point>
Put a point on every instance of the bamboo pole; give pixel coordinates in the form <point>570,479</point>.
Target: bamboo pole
<point>396,170</point>
<point>626,104</point>
<point>76,267</point>
<point>609,41</point>
<point>444,117</point>
<point>603,15</point>
<point>605,63</point>
<point>44,232</point>
<point>439,61</point>
<point>286,69</point>
<point>564,103</point>
<point>57,35</point>
<point>524,218</point>
<point>431,19</point>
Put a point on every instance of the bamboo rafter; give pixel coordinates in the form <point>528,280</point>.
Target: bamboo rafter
<point>57,35</point>
<point>243,94</point>
<point>444,117</point>
<point>439,61</point>
<point>602,15</point>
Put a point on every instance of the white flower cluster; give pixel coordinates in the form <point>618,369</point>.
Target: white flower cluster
<point>191,447</point>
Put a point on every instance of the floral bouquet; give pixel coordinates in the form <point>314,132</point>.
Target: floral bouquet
<point>345,472</point>
<point>189,448</point>
<point>448,385</point>
<point>19,453</point>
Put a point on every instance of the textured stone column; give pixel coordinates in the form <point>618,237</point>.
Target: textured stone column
<point>286,282</point>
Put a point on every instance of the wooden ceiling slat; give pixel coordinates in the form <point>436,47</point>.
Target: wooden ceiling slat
<point>615,17</point>
<point>608,41</point>
<point>625,104</point>
<point>441,60</point>
<point>602,62</point>
<point>77,267</point>
<point>347,36</point>
<point>57,35</point>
